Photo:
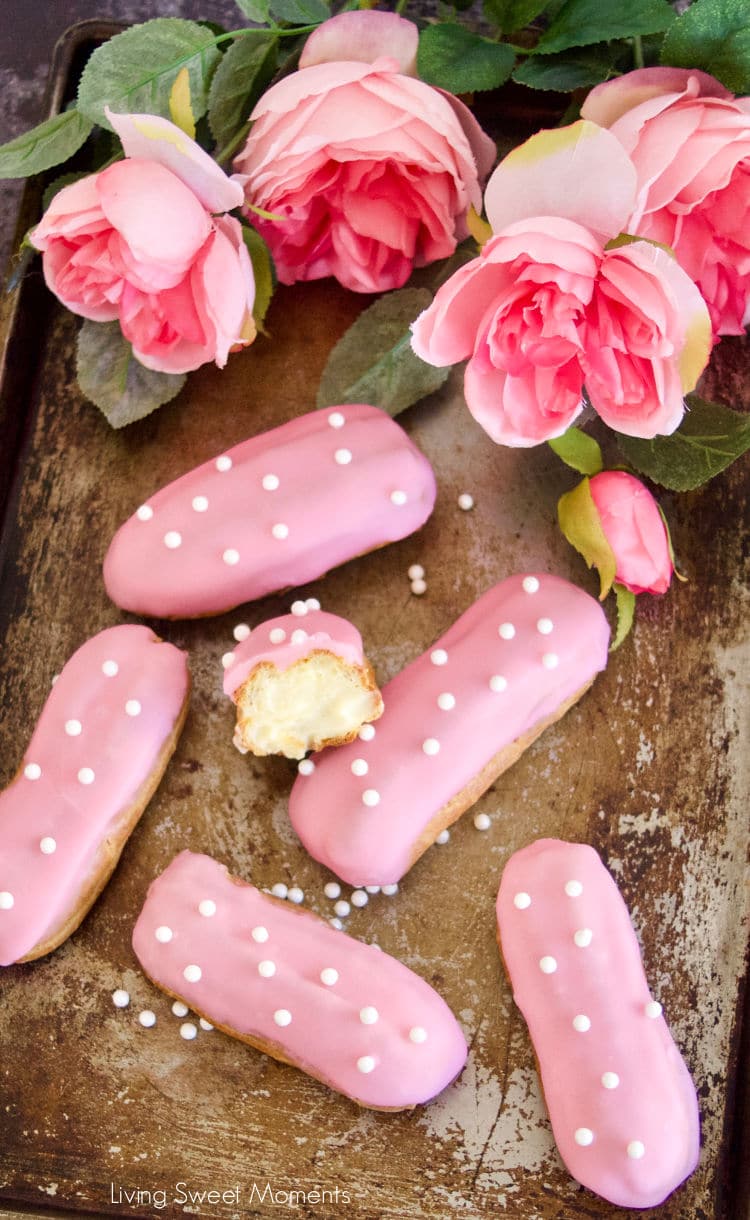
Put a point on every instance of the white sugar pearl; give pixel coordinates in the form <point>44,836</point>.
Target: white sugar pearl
<point>359,898</point>
<point>296,895</point>
<point>522,900</point>
<point>299,608</point>
<point>365,1064</point>
<point>306,766</point>
<point>192,974</point>
<point>329,976</point>
<point>312,603</point>
<point>224,463</point>
<point>47,845</point>
<point>653,1009</point>
<point>482,821</point>
<point>342,908</point>
<point>359,767</point>
<point>188,1031</point>
<point>266,969</point>
<point>200,504</point>
<point>498,683</point>
<point>343,457</point>
<point>280,530</point>
<point>583,1136</point>
<point>120,998</point>
<point>163,934</point>
<point>110,669</point>
<point>419,587</point>
<point>336,923</point>
<point>54,679</point>
<point>32,771</point>
<point>260,934</point>
<point>144,513</point>
<point>443,837</point>
<point>430,745</point>
<point>147,1018</point>
<point>581,1023</point>
<point>241,632</point>
<point>530,584</point>
<point>207,907</point>
<point>86,776</point>
<point>506,631</point>
<point>332,889</point>
<point>388,890</point>
<point>583,937</point>
<point>204,1024</point>
<point>133,708</point>
<point>336,419</point>
<point>277,635</point>
<point>6,900</point>
<point>231,557</point>
<point>367,732</point>
<point>73,728</point>
<point>371,797</point>
<point>368,1015</point>
<point>545,626</point>
<point>573,889</point>
<point>610,1080</point>
<point>179,1009</point>
<point>227,661</point>
<point>398,498</point>
<point>416,572</point>
<point>270,482</point>
<point>446,702</point>
<point>372,889</point>
<point>636,1150</point>
<point>172,539</point>
<point>279,890</point>
<point>299,636</point>
<point>465,501</point>
<point>282,1016</point>
<point>550,660</point>
<point>547,965</point>
<point>439,656</point>
<point>417,1033</point>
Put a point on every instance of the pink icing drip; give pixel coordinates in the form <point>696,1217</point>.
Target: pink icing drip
<point>324,631</point>
<point>119,748</point>
<point>326,1035</point>
<point>373,845</point>
<point>654,1102</point>
<point>332,511</point>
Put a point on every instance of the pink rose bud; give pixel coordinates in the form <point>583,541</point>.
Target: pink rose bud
<point>634,528</point>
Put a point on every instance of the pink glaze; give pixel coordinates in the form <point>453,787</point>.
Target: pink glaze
<point>329,1032</point>
<point>276,511</point>
<point>621,1081</point>
<point>320,631</point>
<point>89,724</point>
<point>372,844</point>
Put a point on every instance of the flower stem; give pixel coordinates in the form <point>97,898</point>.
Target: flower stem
<point>637,51</point>
<point>401,5</point>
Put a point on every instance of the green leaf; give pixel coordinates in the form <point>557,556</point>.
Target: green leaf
<point>374,362</point>
<point>510,15</point>
<point>110,375</point>
<point>713,35</point>
<point>580,523</point>
<point>708,440</point>
<point>300,12</point>
<point>453,58</point>
<point>625,614</point>
<point>581,22</point>
<point>578,450</point>
<point>134,71</point>
<point>263,271</point>
<point>238,82</point>
<point>44,146</point>
<point>568,70</point>
<point>254,10</point>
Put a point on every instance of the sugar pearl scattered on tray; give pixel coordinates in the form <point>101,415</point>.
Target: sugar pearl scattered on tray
<point>416,572</point>
<point>120,998</point>
<point>482,821</point>
<point>465,501</point>
<point>418,587</point>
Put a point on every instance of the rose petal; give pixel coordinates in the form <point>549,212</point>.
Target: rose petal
<point>363,36</point>
<point>608,102</point>
<point>74,212</point>
<point>155,213</point>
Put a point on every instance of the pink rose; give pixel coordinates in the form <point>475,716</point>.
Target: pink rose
<point>137,243</point>
<point>689,139</point>
<point>635,530</point>
<point>371,171</point>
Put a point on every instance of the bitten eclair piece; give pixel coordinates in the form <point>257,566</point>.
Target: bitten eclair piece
<point>300,682</point>
<point>622,1105</point>
<point>454,719</point>
<point>283,980</point>
<point>274,512</point>
<point>100,747</point>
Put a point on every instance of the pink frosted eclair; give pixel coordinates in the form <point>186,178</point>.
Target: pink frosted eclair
<point>282,980</point>
<point>100,747</point>
<point>300,682</point>
<point>621,1101</point>
<point>276,511</point>
<point>454,719</point>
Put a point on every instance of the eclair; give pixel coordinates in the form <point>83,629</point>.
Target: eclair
<point>284,981</point>
<point>454,719</point>
<point>98,752</point>
<point>274,512</point>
